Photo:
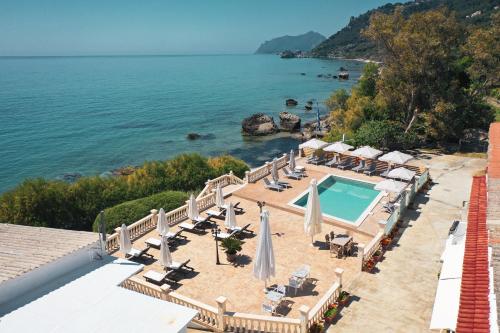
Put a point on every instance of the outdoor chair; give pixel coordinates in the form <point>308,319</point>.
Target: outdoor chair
<point>349,248</point>
<point>318,161</point>
<point>332,235</point>
<point>270,308</point>
<point>360,167</point>
<point>159,278</point>
<point>386,172</point>
<point>236,207</point>
<point>271,186</point>
<point>173,237</point>
<point>135,253</point>
<point>224,235</point>
<point>281,289</point>
<point>241,230</point>
<point>196,227</point>
<point>291,175</point>
<point>371,169</point>
<point>216,214</point>
<point>282,183</point>
<point>347,163</point>
<point>153,242</point>
<point>295,283</point>
<point>180,267</point>
<point>312,159</point>
<point>333,162</point>
<point>389,207</point>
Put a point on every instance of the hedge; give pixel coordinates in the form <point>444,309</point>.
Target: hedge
<point>131,211</point>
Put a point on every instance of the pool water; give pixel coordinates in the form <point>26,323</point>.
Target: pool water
<point>343,198</point>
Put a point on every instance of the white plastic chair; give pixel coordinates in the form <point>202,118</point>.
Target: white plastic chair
<point>269,308</point>
<point>295,283</point>
<point>281,289</point>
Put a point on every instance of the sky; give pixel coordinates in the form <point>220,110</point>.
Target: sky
<point>140,27</point>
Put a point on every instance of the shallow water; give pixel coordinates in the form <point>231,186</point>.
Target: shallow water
<point>90,115</point>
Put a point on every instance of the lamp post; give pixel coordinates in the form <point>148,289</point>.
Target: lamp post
<point>215,233</point>
<point>261,204</point>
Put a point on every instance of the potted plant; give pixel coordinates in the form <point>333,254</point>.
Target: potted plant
<point>386,241</point>
<point>231,246</point>
<point>316,328</point>
<point>377,255</point>
<point>330,314</point>
<point>369,265</point>
<point>343,298</point>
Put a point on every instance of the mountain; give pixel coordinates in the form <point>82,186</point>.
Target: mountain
<point>348,42</point>
<point>305,42</point>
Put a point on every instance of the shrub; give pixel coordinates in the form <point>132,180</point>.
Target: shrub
<point>132,211</point>
<point>225,163</point>
<point>384,134</point>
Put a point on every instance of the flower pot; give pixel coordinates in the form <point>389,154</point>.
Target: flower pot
<point>344,298</point>
<point>231,257</point>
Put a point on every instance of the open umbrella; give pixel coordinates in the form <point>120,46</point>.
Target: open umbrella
<point>366,152</point>
<point>338,147</point>
<point>125,243</point>
<point>401,173</point>
<point>162,226</point>
<point>313,217</point>
<point>291,162</point>
<point>396,157</point>
<point>193,212</point>
<point>219,196</point>
<point>313,144</point>
<point>165,255</point>
<point>230,220</point>
<point>264,265</point>
<point>390,185</point>
<point>274,170</point>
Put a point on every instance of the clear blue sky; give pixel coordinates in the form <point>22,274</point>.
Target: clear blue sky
<point>103,27</point>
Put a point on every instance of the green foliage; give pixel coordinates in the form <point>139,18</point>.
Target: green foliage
<point>231,245</point>
<point>384,134</point>
<point>57,204</point>
<point>130,211</point>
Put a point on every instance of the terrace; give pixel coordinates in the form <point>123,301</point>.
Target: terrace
<point>227,296</point>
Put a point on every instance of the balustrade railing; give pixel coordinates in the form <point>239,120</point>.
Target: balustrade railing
<point>245,322</point>
<point>138,285</point>
<point>373,246</point>
<point>316,313</point>
<point>224,180</point>
<point>207,315</point>
<point>265,170</point>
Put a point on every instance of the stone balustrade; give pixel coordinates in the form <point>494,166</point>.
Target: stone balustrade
<point>265,170</point>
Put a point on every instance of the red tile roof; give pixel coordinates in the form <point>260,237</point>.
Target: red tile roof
<point>494,151</point>
<point>474,310</point>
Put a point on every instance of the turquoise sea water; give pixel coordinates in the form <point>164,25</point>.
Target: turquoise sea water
<point>343,198</point>
<point>90,115</point>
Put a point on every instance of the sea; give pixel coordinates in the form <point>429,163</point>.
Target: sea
<point>66,116</point>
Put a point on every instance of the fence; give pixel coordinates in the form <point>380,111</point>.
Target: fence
<point>265,170</point>
<point>224,180</point>
<point>316,313</point>
<point>422,180</point>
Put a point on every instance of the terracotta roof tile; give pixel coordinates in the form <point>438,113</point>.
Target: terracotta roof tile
<point>474,310</point>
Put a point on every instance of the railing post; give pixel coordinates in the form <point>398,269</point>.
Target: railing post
<point>267,166</point>
<point>300,153</point>
<point>221,309</point>
<point>361,253</point>
<point>154,218</point>
<point>338,273</point>
<point>304,318</point>
<point>165,290</point>
<point>382,225</point>
<point>247,176</point>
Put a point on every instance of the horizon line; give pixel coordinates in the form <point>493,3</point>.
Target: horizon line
<point>123,55</point>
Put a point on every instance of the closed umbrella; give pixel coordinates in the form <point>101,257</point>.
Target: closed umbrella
<point>125,243</point>
<point>401,173</point>
<point>264,265</point>
<point>313,217</point>
<point>366,152</point>
<point>193,212</point>
<point>338,147</point>
<point>396,157</point>
<point>291,163</point>
<point>219,197</point>
<point>230,221</point>
<point>274,170</point>
<point>165,255</point>
<point>162,226</point>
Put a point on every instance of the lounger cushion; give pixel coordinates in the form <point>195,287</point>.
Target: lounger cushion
<point>213,212</point>
<point>134,252</point>
<point>185,225</point>
<point>153,241</point>
<point>175,265</point>
<point>155,276</point>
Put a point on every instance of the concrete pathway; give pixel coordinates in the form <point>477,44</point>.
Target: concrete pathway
<point>399,297</point>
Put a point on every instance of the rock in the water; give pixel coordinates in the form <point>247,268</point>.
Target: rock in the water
<point>289,122</point>
<point>308,107</point>
<point>291,102</point>
<point>310,102</point>
<point>193,136</point>
<point>258,124</point>
<point>302,74</point>
<point>319,75</point>
<point>124,171</point>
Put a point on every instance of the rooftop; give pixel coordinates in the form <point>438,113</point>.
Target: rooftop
<point>24,248</point>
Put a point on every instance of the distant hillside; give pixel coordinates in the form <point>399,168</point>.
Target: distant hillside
<point>305,42</point>
<point>348,42</point>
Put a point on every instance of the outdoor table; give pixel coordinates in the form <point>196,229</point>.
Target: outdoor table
<point>301,273</point>
<point>274,296</point>
<point>300,168</point>
<point>341,242</point>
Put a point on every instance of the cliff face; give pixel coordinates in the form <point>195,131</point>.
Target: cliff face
<point>305,42</point>
<point>348,42</point>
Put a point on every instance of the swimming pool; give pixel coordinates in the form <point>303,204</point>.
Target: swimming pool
<point>344,199</point>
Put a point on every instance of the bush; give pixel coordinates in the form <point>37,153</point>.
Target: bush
<point>132,211</point>
<point>225,163</point>
<point>384,134</point>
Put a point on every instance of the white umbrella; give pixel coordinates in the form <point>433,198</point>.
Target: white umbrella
<point>313,217</point>
<point>264,265</point>
<point>401,173</point>
<point>165,256</point>
<point>291,163</point>
<point>193,212</point>
<point>396,157</point>
<point>230,220</point>
<point>162,226</point>
<point>125,243</point>
<point>219,197</point>
<point>366,152</point>
<point>274,170</point>
<point>390,185</point>
<point>338,147</point>
<point>313,144</point>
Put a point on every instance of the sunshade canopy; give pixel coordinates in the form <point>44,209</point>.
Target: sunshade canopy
<point>366,152</point>
<point>401,173</point>
<point>314,144</point>
<point>338,147</point>
<point>396,157</point>
<point>390,185</point>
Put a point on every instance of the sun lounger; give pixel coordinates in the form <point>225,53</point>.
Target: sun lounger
<point>318,161</point>
<point>360,167</point>
<point>224,235</point>
<point>135,253</point>
<point>271,186</point>
<point>236,208</point>
<point>153,242</point>
<point>216,214</point>
<point>385,173</point>
<point>347,163</point>
<point>241,230</point>
<point>291,175</point>
<point>282,184</point>
<point>197,226</point>
<point>333,162</point>
<point>159,278</point>
<point>172,237</point>
<point>180,267</point>
<point>312,159</point>
<point>371,169</point>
